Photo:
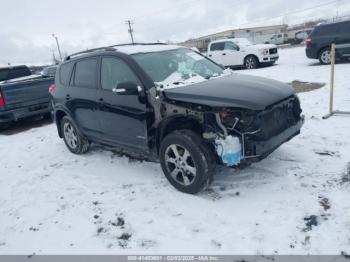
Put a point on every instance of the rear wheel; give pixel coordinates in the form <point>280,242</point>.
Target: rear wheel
<point>187,161</point>
<point>325,56</point>
<point>75,142</point>
<point>251,62</point>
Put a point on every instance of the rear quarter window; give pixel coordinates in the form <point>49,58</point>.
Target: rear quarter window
<point>344,28</point>
<point>326,30</point>
<point>65,73</point>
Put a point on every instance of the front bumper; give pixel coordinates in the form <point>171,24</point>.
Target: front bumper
<point>261,149</point>
<point>20,113</point>
<point>269,59</point>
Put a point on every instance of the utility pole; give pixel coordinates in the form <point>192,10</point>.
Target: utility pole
<point>128,22</point>
<point>58,46</point>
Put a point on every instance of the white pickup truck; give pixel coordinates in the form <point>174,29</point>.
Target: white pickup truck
<point>241,52</point>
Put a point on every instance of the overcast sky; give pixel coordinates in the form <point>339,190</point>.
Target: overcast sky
<point>27,25</point>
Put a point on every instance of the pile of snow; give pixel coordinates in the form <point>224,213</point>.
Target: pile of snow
<point>296,201</point>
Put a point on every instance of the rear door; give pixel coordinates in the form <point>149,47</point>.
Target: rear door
<point>215,52</point>
<point>122,117</point>
<point>80,96</point>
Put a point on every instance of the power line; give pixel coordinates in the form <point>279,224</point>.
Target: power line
<point>270,18</point>
<point>292,12</point>
<point>128,22</point>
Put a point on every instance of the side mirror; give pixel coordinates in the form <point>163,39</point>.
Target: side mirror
<point>127,88</point>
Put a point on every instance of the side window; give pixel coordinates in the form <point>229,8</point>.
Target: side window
<point>344,28</point>
<point>115,71</point>
<point>231,46</point>
<point>52,71</point>
<point>86,73</point>
<point>18,72</point>
<point>65,73</point>
<point>217,46</point>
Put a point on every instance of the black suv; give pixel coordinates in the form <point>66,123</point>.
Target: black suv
<point>318,45</point>
<point>171,104</point>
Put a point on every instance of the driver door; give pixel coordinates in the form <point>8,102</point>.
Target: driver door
<point>122,117</point>
<point>231,55</point>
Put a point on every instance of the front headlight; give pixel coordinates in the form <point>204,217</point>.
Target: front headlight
<point>239,119</point>
<point>264,51</point>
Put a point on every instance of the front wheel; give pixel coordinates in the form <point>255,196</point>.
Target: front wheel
<point>251,62</point>
<point>75,142</point>
<point>187,161</point>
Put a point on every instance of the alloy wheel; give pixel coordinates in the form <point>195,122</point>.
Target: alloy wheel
<point>180,164</point>
<point>250,63</point>
<point>70,135</point>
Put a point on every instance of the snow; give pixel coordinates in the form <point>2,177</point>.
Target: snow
<point>54,202</point>
<point>177,79</point>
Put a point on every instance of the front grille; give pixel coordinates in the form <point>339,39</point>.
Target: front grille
<point>278,118</point>
<point>272,51</point>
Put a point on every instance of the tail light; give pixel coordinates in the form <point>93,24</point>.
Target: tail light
<point>2,100</point>
<point>51,88</point>
<point>307,42</point>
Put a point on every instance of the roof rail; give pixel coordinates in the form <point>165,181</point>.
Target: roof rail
<point>106,48</point>
<point>137,44</point>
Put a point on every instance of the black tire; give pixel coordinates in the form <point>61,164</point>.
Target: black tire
<point>251,62</point>
<point>201,157</point>
<point>324,56</point>
<point>71,132</point>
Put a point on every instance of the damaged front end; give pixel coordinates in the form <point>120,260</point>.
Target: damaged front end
<point>239,136</point>
<point>243,136</point>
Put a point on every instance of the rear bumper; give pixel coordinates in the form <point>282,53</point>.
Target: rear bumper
<point>261,149</point>
<point>20,113</point>
<point>311,52</point>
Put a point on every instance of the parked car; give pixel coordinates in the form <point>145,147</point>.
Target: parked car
<point>11,72</point>
<point>24,97</point>
<point>301,36</point>
<point>171,104</point>
<point>278,39</point>
<point>49,71</point>
<point>241,52</point>
<point>318,45</point>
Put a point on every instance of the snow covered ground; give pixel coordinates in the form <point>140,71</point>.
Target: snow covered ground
<point>297,201</point>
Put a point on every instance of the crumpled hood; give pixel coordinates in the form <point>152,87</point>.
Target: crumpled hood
<point>243,91</point>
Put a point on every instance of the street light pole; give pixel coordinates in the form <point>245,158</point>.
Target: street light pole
<point>58,46</point>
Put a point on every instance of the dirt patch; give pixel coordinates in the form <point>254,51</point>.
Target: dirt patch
<point>310,222</point>
<point>301,87</point>
<point>324,202</point>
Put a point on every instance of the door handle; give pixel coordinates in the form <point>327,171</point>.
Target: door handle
<point>223,53</point>
<point>210,55</point>
<point>67,97</point>
<point>101,100</point>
